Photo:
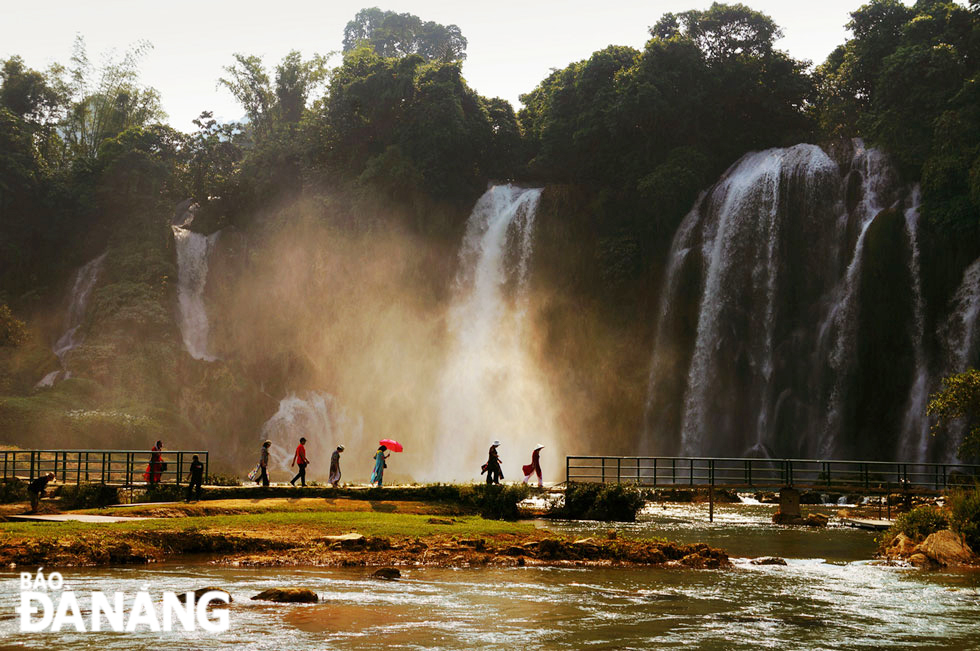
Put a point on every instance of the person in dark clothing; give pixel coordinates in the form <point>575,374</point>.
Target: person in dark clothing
<point>195,479</point>
<point>492,466</point>
<point>300,459</point>
<point>264,464</point>
<point>36,490</point>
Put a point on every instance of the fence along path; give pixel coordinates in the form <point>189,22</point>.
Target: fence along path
<point>835,475</point>
<point>115,467</point>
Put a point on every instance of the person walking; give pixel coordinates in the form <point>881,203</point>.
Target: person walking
<point>379,465</point>
<point>195,479</point>
<point>334,478</point>
<point>263,477</point>
<point>154,470</point>
<point>36,490</point>
<point>299,458</point>
<point>534,466</point>
<point>492,466</point>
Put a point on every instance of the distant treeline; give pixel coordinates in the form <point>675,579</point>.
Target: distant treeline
<point>84,156</point>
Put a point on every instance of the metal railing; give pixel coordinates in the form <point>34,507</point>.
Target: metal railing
<point>693,472</point>
<point>118,467</point>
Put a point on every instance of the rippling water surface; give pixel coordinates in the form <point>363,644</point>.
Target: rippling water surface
<point>827,597</point>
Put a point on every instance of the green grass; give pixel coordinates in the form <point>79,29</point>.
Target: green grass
<point>315,523</point>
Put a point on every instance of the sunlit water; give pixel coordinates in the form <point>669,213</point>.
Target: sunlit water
<point>827,597</point>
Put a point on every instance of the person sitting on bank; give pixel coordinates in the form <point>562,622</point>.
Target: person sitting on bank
<point>195,479</point>
<point>36,490</point>
<point>299,458</point>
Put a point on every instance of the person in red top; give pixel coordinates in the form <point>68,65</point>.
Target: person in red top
<point>300,459</point>
<point>154,471</point>
<point>534,466</point>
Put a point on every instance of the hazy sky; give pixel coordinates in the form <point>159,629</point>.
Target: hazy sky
<point>512,44</point>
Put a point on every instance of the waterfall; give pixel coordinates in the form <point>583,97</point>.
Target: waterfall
<point>915,426</point>
<point>316,416</point>
<point>761,322</point>
<point>193,250</point>
<point>960,346</point>
<point>81,290</point>
<point>490,388</point>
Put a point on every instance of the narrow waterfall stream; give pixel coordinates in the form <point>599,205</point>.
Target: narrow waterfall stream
<point>193,250</point>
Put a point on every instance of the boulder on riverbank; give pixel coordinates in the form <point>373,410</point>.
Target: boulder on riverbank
<point>287,596</point>
<point>768,560</point>
<point>948,548</point>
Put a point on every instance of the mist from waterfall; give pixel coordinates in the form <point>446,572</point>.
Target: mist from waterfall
<point>490,387</point>
<point>193,250</point>
<point>83,283</point>
<point>322,421</point>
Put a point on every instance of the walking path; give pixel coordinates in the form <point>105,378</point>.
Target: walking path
<point>71,517</point>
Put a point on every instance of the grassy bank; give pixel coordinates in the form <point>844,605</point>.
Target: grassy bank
<point>336,532</point>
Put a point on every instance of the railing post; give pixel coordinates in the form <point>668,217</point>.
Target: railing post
<point>619,463</point>
<point>568,461</point>
<point>208,454</point>
<point>603,470</point>
<point>673,472</point>
<point>33,456</point>
<point>692,472</point>
<point>866,479</point>
<point>78,470</point>
<point>655,471</point>
<point>180,459</point>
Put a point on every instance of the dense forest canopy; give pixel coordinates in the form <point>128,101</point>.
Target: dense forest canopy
<point>393,136</point>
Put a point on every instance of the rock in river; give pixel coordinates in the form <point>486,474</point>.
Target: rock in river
<point>287,596</point>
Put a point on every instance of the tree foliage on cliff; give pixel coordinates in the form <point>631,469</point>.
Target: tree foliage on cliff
<point>959,401</point>
<point>908,80</point>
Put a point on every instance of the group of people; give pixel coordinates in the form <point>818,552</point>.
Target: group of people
<point>261,472</point>
<point>495,473</point>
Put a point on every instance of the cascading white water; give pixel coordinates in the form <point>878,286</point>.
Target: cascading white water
<point>490,388</point>
<point>960,330</point>
<point>915,425</point>
<point>841,322</point>
<point>193,250</point>
<point>740,247</point>
<point>960,346</point>
<point>81,290</point>
<point>766,359</point>
<point>318,418</point>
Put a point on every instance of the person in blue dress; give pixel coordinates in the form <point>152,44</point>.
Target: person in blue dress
<point>379,465</point>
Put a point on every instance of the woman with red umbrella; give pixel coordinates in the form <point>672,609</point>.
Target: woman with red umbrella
<point>379,459</point>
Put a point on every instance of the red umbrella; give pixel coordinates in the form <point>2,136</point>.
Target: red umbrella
<point>394,446</point>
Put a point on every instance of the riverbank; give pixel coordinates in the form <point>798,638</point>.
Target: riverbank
<point>320,532</point>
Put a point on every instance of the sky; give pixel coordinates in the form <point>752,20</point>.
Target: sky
<point>513,45</point>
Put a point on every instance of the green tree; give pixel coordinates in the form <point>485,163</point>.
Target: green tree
<point>392,34</point>
<point>959,401</point>
<point>13,331</point>
<point>105,100</point>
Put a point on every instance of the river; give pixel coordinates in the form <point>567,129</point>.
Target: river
<point>827,597</point>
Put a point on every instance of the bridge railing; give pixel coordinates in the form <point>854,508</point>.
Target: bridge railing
<point>871,476</point>
<point>118,467</point>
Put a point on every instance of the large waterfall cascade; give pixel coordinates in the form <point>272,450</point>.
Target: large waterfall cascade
<point>81,290</point>
<point>317,417</point>
<point>193,251</point>
<point>762,324</point>
<point>490,387</point>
